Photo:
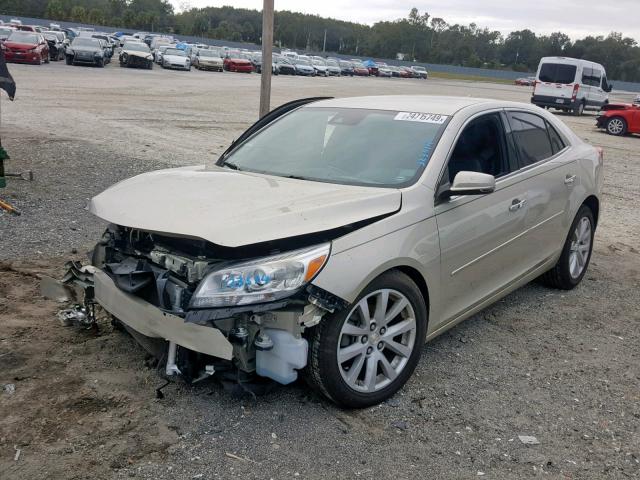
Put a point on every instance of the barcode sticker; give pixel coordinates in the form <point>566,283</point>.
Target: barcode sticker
<point>421,117</point>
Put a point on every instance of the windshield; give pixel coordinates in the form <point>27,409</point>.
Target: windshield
<point>345,64</point>
<point>341,145</point>
<point>557,73</point>
<point>23,37</point>
<point>208,53</point>
<point>137,47</point>
<point>175,51</point>
<point>419,69</point>
<point>303,61</point>
<point>85,42</point>
<point>318,62</point>
<point>332,63</point>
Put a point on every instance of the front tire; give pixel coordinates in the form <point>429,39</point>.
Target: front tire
<point>616,126</point>
<point>69,60</point>
<point>576,253</point>
<point>364,354</point>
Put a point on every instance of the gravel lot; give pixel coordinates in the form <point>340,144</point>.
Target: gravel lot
<point>561,366</point>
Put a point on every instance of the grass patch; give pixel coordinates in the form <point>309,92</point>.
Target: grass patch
<point>471,78</point>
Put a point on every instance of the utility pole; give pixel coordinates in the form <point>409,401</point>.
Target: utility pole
<point>267,49</point>
<point>324,42</point>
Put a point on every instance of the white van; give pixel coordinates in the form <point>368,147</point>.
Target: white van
<point>570,84</point>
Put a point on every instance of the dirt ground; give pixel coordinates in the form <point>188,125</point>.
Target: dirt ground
<point>561,366</point>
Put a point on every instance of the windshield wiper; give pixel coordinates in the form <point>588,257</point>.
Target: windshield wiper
<point>294,177</point>
<point>232,166</point>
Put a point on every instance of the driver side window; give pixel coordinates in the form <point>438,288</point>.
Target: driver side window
<point>481,147</point>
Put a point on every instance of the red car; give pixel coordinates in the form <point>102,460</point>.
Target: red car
<point>360,70</point>
<point>525,81</point>
<point>26,28</point>
<point>237,62</point>
<point>620,118</point>
<point>26,47</point>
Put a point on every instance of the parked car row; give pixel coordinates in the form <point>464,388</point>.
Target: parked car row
<point>143,49</point>
<point>37,45</point>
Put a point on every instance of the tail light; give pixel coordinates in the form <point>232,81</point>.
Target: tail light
<point>535,84</point>
<point>576,87</point>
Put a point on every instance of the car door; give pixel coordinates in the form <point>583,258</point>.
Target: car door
<point>550,173</point>
<point>480,235</point>
<point>598,95</point>
<point>585,90</point>
<point>634,120</point>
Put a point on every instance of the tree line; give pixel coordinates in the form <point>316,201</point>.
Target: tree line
<point>419,36</point>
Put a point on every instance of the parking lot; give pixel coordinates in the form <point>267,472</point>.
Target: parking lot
<point>561,366</point>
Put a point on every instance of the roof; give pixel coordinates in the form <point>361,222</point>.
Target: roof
<point>407,103</point>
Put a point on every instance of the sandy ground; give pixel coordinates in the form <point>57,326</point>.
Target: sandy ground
<point>561,366</point>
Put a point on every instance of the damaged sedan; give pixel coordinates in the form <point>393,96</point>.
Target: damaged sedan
<point>336,236</point>
<point>136,54</point>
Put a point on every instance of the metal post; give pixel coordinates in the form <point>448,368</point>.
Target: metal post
<point>267,48</point>
<point>3,182</point>
<point>324,42</point>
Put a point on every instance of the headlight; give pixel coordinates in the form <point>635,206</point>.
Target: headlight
<point>261,280</point>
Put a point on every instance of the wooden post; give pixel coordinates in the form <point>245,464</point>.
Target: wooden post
<point>267,49</point>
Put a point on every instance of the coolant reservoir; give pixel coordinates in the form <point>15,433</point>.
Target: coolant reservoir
<point>280,363</point>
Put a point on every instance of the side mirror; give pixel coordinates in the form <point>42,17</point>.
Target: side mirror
<point>472,183</point>
<point>609,87</point>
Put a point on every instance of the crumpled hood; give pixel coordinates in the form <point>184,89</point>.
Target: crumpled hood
<point>136,53</point>
<point>233,209</point>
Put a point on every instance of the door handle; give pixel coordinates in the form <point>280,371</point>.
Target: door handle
<point>517,204</point>
<point>569,179</point>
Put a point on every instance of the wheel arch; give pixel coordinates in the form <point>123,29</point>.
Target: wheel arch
<point>594,205</point>
<point>418,279</point>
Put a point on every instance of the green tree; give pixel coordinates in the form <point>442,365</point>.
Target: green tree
<point>55,10</point>
<point>78,14</point>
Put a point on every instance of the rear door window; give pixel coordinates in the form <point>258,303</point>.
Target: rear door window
<point>557,144</point>
<point>557,73</point>
<point>531,137</point>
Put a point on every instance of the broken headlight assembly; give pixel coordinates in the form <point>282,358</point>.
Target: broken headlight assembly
<point>260,280</point>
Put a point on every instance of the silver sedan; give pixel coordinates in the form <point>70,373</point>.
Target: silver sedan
<point>335,237</point>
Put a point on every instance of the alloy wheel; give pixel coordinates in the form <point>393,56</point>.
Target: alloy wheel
<point>615,126</point>
<point>376,340</point>
<point>580,248</point>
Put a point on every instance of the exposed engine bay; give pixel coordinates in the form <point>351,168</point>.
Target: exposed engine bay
<point>147,281</point>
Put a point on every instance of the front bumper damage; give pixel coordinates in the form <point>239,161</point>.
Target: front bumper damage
<point>152,322</point>
<point>147,289</point>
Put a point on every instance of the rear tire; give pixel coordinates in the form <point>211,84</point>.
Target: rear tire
<point>616,126</point>
<point>330,368</point>
<point>576,253</point>
<point>579,110</point>
<point>69,60</point>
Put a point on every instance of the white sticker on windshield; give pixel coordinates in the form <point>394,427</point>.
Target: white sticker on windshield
<point>421,117</point>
